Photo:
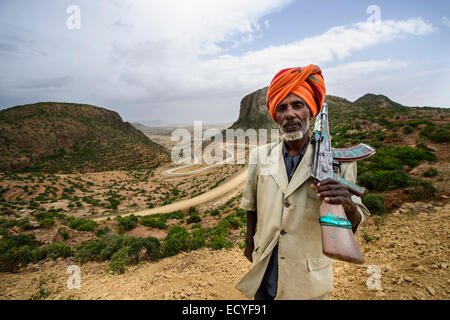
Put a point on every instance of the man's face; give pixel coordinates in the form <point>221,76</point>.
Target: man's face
<point>293,116</point>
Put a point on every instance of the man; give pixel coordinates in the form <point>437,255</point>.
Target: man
<point>283,233</point>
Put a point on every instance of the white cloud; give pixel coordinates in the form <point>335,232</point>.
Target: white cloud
<point>446,21</point>
<point>199,25</point>
<point>254,69</point>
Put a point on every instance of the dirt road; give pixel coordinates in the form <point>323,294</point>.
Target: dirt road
<point>213,194</point>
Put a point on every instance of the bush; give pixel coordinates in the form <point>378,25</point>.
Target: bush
<point>407,129</point>
<point>119,260</point>
<point>193,219</point>
<point>101,232</point>
<point>153,248</point>
<point>152,222</point>
<point>83,224</point>
<point>126,223</point>
<point>57,249</point>
<point>234,221</point>
<point>421,190</point>
<point>63,233</point>
<point>214,212</point>
<point>393,158</point>
<point>438,135</point>
<point>90,251</point>
<point>176,241</point>
<point>47,222</point>
<point>18,251</point>
<point>430,172</point>
<point>385,180</point>
<point>374,202</point>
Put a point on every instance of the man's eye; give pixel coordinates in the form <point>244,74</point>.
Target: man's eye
<point>299,106</point>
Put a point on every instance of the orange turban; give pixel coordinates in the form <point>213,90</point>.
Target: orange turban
<point>305,82</point>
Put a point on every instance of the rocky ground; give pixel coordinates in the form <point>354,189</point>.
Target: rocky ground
<point>409,247</point>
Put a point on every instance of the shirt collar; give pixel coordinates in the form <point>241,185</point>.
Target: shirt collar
<point>286,153</point>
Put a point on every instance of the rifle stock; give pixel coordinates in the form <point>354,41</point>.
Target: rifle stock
<point>339,242</point>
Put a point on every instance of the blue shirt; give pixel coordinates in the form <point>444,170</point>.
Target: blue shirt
<point>270,279</point>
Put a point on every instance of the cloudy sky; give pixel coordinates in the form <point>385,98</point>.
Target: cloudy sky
<point>180,61</point>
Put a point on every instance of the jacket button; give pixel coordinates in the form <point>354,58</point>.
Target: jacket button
<point>287,204</point>
<point>283,231</point>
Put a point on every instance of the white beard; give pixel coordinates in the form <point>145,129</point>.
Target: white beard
<point>296,135</point>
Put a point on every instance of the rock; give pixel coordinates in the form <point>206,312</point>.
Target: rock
<point>419,295</point>
<point>431,290</point>
<point>443,266</point>
<point>420,269</point>
<point>408,279</point>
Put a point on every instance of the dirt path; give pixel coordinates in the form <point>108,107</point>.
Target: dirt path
<point>410,248</point>
<point>213,194</point>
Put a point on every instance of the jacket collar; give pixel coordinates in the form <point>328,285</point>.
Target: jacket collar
<point>301,174</point>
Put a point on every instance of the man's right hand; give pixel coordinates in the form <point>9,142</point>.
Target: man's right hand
<point>248,252</point>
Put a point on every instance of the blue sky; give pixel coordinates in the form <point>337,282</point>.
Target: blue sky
<point>180,61</point>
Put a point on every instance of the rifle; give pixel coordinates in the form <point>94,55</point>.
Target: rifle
<point>338,241</point>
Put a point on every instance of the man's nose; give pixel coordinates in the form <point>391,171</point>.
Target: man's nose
<point>290,113</point>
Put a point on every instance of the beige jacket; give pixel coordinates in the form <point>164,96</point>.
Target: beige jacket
<point>288,214</point>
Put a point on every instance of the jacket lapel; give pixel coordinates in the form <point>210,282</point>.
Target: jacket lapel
<point>302,173</point>
<point>278,169</point>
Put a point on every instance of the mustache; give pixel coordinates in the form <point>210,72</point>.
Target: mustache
<point>291,122</point>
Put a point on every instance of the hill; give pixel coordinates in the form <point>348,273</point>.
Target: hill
<point>68,137</point>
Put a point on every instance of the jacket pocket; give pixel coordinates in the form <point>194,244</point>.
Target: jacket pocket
<point>318,263</point>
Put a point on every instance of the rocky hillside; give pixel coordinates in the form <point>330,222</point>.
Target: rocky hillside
<point>253,112</point>
<point>68,137</point>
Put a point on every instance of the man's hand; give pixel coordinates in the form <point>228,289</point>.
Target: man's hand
<point>335,192</point>
<point>250,246</point>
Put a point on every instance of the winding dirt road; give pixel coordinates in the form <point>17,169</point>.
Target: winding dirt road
<point>215,193</point>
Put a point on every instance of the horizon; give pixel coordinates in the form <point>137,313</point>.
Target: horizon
<point>188,122</point>
<point>168,62</point>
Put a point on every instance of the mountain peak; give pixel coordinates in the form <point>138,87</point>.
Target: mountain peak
<point>372,100</point>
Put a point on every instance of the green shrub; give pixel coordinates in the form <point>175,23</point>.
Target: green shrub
<point>63,233</point>
<point>152,222</point>
<point>421,190</point>
<point>214,212</point>
<point>101,232</point>
<point>15,258</point>
<point>153,248</point>
<point>90,251</point>
<point>177,240</point>
<point>83,224</point>
<point>192,210</point>
<point>407,129</point>
<point>18,251</point>
<point>194,218</point>
<point>218,242</point>
<point>385,180</point>
<point>24,224</point>
<point>374,202</point>
<point>430,172</point>
<point>57,249</point>
<point>393,158</point>
<point>234,221</point>
<point>437,134</point>
<point>119,260</point>
<point>126,223</point>
<point>47,222</point>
